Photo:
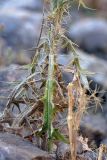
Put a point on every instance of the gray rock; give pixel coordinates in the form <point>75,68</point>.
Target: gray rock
<point>91,36</point>
<point>88,156</point>
<point>14,148</point>
<point>20,23</point>
<point>97,66</point>
<point>19,32</point>
<point>93,64</point>
<point>63,153</point>
<point>104,141</point>
<point>20,29</point>
<point>93,126</point>
<point>33,5</point>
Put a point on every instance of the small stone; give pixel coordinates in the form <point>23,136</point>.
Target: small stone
<point>91,35</point>
<point>14,148</point>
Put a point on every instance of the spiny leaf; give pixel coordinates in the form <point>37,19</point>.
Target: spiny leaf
<point>48,105</point>
<point>81,3</point>
<point>48,101</point>
<point>69,44</point>
<point>24,67</point>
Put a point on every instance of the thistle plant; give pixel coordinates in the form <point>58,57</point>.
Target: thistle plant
<point>56,37</point>
<point>42,91</point>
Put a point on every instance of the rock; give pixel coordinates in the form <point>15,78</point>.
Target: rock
<point>20,23</point>
<point>32,5</point>
<point>63,153</point>
<point>91,35</point>
<point>88,156</point>
<point>14,148</point>
<point>20,28</point>
<point>104,141</point>
<point>64,59</point>
<point>96,66</point>
<point>63,150</point>
<point>19,32</point>
<point>93,126</point>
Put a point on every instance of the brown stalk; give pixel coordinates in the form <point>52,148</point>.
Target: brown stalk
<point>76,108</point>
<point>70,121</point>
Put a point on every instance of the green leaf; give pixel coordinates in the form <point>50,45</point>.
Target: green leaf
<point>48,102</point>
<point>54,3</point>
<point>58,3</point>
<point>58,136</point>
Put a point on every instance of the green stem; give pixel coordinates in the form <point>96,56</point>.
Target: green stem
<point>48,102</point>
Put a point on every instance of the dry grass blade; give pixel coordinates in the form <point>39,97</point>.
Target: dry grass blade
<point>76,108</point>
<point>17,89</point>
<point>70,121</point>
<point>100,152</point>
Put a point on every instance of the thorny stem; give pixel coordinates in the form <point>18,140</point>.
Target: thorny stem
<point>34,61</point>
<point>53,25</point>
